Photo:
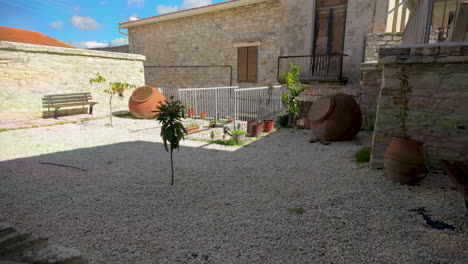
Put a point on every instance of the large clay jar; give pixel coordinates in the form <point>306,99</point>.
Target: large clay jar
<point>336,117</point>
<point>404,160</point>
<point>144,101</point>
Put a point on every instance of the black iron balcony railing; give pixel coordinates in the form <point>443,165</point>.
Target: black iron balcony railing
<point>318,67</point>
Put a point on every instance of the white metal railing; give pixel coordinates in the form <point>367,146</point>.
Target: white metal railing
<point>215,102</point>
<point>258,103</point>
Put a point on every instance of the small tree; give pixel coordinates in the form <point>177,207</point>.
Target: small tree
<point>114,88</point>
<point>170,115</point>
<point>402,116</point>
<point>295,88</point>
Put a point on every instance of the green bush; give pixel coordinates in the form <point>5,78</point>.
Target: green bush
<point>363,155</point>
<point>238,131</point>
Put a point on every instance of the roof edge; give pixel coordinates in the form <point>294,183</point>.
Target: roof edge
<point>189,12</point>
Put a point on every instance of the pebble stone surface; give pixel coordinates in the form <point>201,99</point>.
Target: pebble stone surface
<point>279,199</point>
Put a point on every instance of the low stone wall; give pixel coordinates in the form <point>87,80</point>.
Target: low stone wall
<point>27,72</point>
<point>375,41</point>
<point>438,103</point>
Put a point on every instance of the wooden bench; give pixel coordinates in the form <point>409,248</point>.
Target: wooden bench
<point>58,101</point>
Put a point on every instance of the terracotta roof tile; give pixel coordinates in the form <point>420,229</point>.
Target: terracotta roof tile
<point>31,37</point>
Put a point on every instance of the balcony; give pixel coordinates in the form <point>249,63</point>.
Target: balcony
<point>314,68</point>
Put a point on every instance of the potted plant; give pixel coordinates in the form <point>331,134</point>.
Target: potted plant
<point>192,128</point>
<point>404,158</point>
<point>213,123</point>
<point>255,129</point>
<point>283,119</point>
<point>190,110</point>
<point>268,125</point>
<point>202,115</point>
<point>295,88</point>
<point>239,135</point>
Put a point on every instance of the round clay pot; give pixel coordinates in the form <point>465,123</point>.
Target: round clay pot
<point>404,160</point>
<point>336,117</point>
<point>144,100</point>
<point>255,129</point>
<point>268,125</point>
<point>239,138</point>
<point>202,115</point>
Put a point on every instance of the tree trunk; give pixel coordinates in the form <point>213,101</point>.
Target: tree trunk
<point>110,109</point>
<point>172,168</point>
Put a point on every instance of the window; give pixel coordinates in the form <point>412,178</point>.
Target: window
<point>247,64</point>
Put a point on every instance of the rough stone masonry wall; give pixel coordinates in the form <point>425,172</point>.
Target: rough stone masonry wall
<point>210,39</point>
<point>371,82</point>
<point>375,41</point>
<point>27,72</point>
<point>438,104</point>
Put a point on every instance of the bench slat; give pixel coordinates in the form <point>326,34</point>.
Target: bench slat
<point>67,97</point>
<point>66,100</point>
<point>76,104</point>
<point>68,94</point>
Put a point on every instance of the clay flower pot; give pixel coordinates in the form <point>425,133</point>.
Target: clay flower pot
<point>144,101</point>
<point>306,122</point>
<point>404,160</point>
<point>190,112</point>
<point>268,125</point>
<point>192,129</point>
<point>202,115</point>
<point>283,120</point>
<point>212,123</point>
<point>255,129</point>
<point>239,138</point>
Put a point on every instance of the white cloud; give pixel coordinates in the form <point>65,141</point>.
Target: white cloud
<point>86,23</point>
<point>76,9</point>
<point>195,3</point>
<point>163,9</point>
<point>57,25</point>
<point>138,3</point>
<point>133,17</point>
<point>89,44</point>
<point>186,4</point>
<point>119,42</point>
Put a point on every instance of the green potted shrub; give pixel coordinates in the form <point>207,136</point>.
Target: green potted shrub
<point>404,158</point>
<point>239,135</point>
<point>170,115</point>
<point>289,98</point>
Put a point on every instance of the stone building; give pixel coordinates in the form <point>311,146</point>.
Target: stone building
<point>251,42</point>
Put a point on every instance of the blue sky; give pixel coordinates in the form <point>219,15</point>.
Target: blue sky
<point>86,23</point>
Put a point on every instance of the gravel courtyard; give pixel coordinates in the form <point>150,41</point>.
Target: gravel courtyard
<point>276,200</point>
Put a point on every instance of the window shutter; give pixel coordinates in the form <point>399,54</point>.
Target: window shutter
<point>252,55</point>
<point>242,57</point>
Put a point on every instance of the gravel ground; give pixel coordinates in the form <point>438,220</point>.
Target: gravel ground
<point>276,200</point>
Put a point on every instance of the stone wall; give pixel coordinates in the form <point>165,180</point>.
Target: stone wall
<point>438,103</point>
<point>210,39</point>
<point>376,41</point>
<point>371,81</point>
<point>27,72</point>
